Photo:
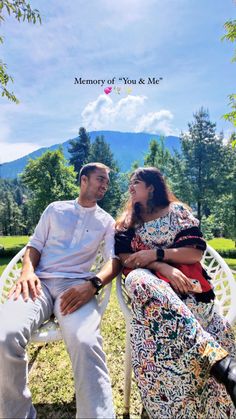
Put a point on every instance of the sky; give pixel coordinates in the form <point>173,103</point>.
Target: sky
<point>94,64</point>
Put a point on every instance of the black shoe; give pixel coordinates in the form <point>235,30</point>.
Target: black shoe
<point>225,372</point>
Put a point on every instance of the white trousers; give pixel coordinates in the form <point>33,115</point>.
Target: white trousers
<point>81,333</point>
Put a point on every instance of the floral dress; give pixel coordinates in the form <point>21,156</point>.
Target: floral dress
<point>175,340</point>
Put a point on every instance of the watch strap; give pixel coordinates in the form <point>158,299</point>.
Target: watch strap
<point>97,283</point>
<point>160,254</point>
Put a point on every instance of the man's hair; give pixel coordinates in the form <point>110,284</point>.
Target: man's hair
<point>87,169</point>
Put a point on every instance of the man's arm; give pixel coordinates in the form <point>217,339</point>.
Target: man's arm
<point>28,283</point>
<point>109,271</point>
<point>78,295</point>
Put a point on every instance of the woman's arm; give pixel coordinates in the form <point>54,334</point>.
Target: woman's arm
<point>185,255</point>
<point>181,255</point>
<point>178,280</point>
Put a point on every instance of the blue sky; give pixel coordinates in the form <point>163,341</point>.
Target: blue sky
<point>178,40</point>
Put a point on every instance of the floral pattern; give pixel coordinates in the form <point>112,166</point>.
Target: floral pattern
<point>175,343</point>
<point>162,231</point>
<point>174,346</point>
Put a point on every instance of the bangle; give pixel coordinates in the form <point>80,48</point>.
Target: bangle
<point>160,253</point>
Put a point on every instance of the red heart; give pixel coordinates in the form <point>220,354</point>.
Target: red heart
<point>108,90</point>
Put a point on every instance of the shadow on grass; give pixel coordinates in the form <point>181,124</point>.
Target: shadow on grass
<point>56,410</point>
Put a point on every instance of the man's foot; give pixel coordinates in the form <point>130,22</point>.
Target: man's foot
<point>225,372</point>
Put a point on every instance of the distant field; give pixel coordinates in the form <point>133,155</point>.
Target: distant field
<point>13,241</point>
<point>221,244</point>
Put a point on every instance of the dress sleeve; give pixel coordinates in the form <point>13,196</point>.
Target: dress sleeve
<point>187,232</point>
<point>123,241</point>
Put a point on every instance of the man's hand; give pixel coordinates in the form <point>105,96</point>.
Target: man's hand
<point>140,259</point>
<point>28,284</point>
<point>180,282</point>
<point>76,296</point>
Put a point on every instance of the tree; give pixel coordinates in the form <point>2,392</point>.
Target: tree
<point>79,150</point>
<point>158,156</point>
<point>100,152</point>
<point>22,11</point>
<point>12,222</point>
<point>12,202</point>
<point>202,151</point>
<point>49,179</point>
<point>230,27</point>
<point>178,182</point>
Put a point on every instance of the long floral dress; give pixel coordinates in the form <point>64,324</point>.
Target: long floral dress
<point>175,340</point>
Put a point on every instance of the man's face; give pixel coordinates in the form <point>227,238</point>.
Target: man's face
<point>95,185</point>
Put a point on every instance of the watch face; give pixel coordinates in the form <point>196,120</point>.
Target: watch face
<point>97,282</point>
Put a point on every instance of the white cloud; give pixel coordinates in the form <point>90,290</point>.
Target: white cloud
<point>156,123</point>
<point>128,114</point>
<point>104,113</point>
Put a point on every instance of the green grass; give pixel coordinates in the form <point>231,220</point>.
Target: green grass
<point>13,241</point>
<point>221,244</point>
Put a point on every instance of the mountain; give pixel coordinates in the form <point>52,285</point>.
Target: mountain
<point>126,147</point>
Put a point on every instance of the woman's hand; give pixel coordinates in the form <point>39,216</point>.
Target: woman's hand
<point>180,282</point>
<point>140,259</point>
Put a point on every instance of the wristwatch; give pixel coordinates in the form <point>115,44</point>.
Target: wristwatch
<point>97,283</point>
<point>160,255</point>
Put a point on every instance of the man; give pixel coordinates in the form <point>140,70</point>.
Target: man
<point>56,278</point>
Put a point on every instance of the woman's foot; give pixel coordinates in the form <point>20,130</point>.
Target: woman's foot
<point>225,372</point>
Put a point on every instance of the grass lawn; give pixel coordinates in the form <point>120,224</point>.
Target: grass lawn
<point>13,241</point>
<point>221,243</point>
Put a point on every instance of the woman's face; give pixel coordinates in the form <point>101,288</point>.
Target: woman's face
<point>139,191</point>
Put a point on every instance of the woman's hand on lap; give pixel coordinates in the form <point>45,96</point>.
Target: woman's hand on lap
<point>180,282</point>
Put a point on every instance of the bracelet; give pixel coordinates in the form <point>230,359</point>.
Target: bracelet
<point>160,253</point>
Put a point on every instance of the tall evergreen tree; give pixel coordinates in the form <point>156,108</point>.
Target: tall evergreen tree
<point>11,218</point>
<point>202,151</point>
<point>179,184</point>
<point>79,150</point>
<point>100,152</point>
<point>158,156</point>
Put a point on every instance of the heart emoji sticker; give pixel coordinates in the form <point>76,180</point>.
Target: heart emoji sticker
<point>108,90</point>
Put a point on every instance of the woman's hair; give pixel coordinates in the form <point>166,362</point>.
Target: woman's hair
<point>161,197</point>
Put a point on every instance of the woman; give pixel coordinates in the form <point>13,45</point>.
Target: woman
<point>179,343</point>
